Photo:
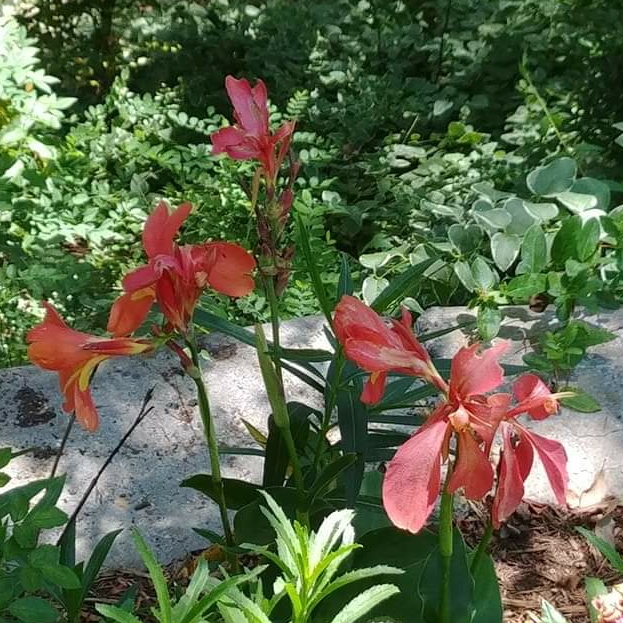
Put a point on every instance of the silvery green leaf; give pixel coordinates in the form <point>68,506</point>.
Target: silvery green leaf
<point>596,188</point>
<point>505,249</point>
<point>372,287</point>
<point>521,219</point>
<point>551,179</point>
<point>577,202</point>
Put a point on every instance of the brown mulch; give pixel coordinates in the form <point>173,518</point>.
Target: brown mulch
<point>538,555</point>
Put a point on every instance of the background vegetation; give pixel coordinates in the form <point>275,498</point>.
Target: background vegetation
<point>419,121</point>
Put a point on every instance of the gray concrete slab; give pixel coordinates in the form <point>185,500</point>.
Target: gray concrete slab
<point>141,486</point>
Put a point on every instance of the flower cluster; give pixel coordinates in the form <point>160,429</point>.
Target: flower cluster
<point>609,607</point>
<point>463,424</point>
<point>251,138</point>
<point>175,278</point>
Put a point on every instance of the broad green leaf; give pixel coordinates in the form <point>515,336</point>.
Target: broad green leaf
<point>504,249</point>
<point>566,241</point>
<point>238,493</point>
<point>588,239</point>
<point>31,609</point>
<point>553,178</point>
<point>60,576</point>
<point>488,322</point>
<point>534,250</point>
<point>594,588</point>
<point>523,287</point>
<point>461,584</point>
<point>487,598</point>
<point>582,402</point>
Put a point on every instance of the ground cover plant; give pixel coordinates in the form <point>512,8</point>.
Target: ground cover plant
<point>348,200</point>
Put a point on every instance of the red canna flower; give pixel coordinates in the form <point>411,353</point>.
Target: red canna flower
<point>519,445</point>
<point>75,356</point>
<point>250,138</point>
<point>379,347</point>
<point>176,276</point>
<point>413,478</point>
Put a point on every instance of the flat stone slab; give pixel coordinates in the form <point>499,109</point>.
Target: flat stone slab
<point>141,486</point>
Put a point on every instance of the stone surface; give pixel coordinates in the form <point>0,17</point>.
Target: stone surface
<point>141,485</point>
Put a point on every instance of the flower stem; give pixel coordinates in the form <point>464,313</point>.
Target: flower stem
<point>482,548</point>
<point>445,548</point>
<point>210,435</point>
<point>273,302</point>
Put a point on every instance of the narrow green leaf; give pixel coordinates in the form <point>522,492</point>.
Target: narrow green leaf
<point>606,549</point>
<point>329,474</point>
<point>116,614</point>
<point>365,602</point>
<point>402,286</point>
<point>314,273</point>
<point>156,575</point>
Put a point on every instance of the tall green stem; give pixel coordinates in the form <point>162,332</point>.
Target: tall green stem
<point>445,548</point>
<point>273,302</point>
<point>482,548</point>
<point>210,435</point>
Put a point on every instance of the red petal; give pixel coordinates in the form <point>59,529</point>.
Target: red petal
<point>229,268</point>
<point>554,459</point>
<point>225,138</point>
<point>474,373</point>
<point>374,388</point>
<point>374,357</point>
<point>515,465</point>
<point>141,278</point>
<point>351,315</point>
<point>250,105</point>
<point>472,472</point>
<point>162,227</point>
<point>412,481</point>
<point>129,311</point>
<point>534,398</point>
<point>84,408</point>
<point>54,346</point>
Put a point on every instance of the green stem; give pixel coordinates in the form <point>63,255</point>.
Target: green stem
<point>445,548</point>
<point>273,302</point>
<point>210,435</point>
<point>482,548</point>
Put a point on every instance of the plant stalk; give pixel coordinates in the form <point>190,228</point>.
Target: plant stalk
<point>445,548</point>
<point>273,301</point>
<point>210,436</point>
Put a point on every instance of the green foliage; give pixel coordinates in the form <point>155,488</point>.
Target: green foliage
<point>31,574</point>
